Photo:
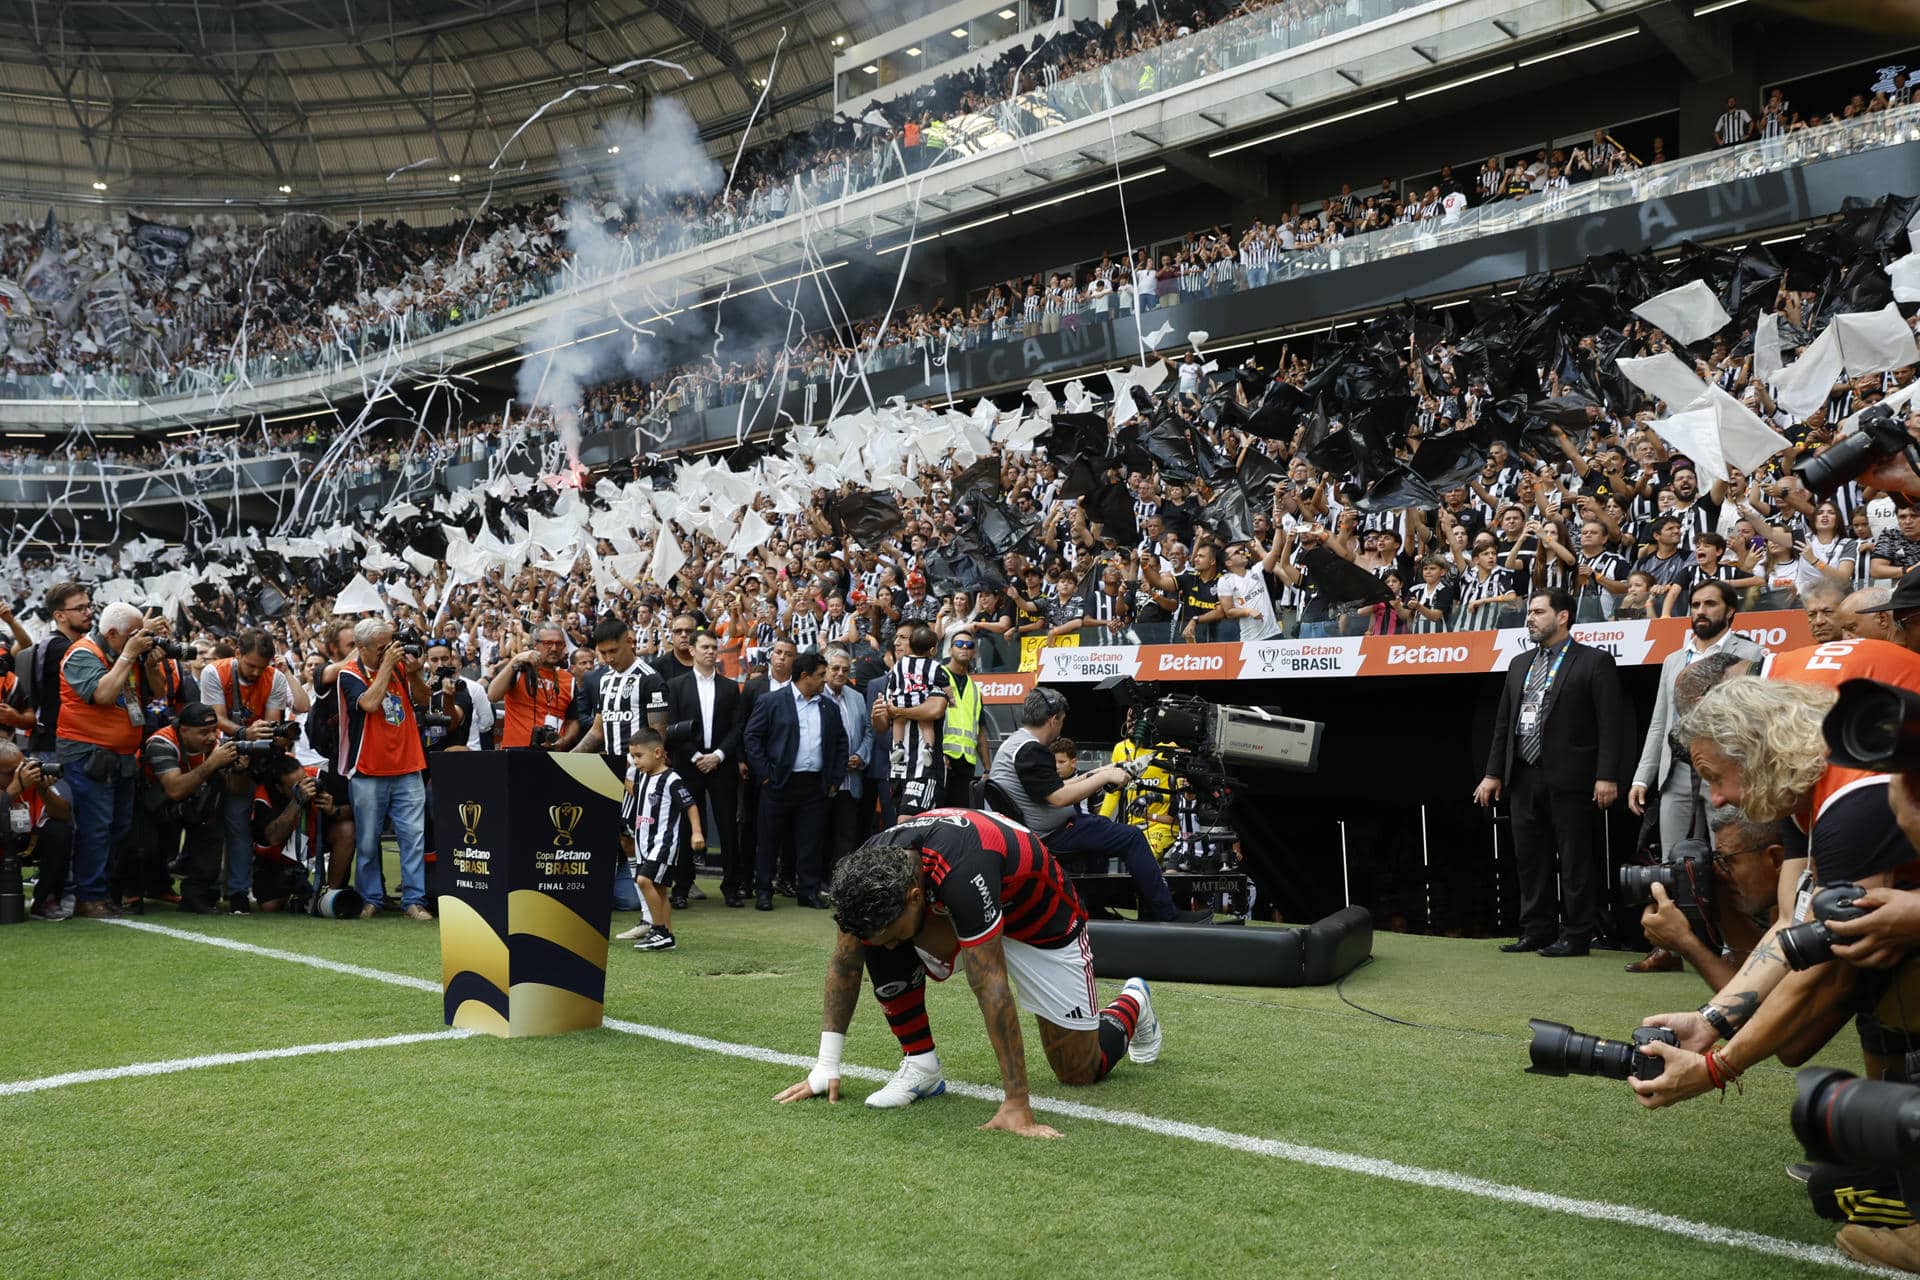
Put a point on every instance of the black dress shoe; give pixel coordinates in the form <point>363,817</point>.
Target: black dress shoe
<point>1525,944</point>
<point>763,902</point>
<point>811,902</point>
<point>1564,947</point>
<point>735,900</point>
<point>785,889</point>
<point>679,901</point>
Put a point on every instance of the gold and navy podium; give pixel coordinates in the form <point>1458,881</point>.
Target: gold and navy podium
<point>527,844</point>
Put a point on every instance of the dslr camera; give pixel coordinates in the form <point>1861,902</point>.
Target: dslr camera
<point>251,750</point>
<point>545,738</point>
<point>1811,942</point>
<point>1688,879</point>
<point>1558,1050</point>
<point>411,641</point>
<point>178,650</point>
<point>52,770</point>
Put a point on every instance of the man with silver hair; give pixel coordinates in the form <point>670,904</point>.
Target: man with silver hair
<point>385,763</point>
<point>1867,615</point>
<point>107,680</point>
<point>1758,744</point>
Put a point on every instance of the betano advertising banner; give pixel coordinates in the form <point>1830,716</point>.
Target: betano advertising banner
<point>1632,643</point>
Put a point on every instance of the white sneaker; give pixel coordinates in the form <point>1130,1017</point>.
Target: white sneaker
<point>911,1082</point>
<point>1145,1045</point>
<point>638,931</point>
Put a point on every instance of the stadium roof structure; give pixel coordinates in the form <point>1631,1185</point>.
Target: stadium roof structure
<point>382,102</point>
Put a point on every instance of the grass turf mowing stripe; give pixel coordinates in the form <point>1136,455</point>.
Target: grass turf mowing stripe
<point>1295,1153</point>
<point>172,1065</point>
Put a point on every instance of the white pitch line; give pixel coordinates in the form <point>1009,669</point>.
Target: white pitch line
<point>1293,1153</point>
<point>172,1065</point>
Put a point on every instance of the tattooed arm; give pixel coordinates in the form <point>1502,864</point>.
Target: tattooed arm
<point>987,975</point>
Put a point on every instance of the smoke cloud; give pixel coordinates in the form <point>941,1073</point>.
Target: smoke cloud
<point>657,182</point>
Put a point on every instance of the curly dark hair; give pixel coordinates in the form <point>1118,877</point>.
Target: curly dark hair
<point>870,886</point>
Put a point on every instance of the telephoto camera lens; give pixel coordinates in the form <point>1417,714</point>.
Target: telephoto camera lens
<point>1558,1050</point>
<point>1841,1119</point>
<point>1636,883</point>
<point>1874,726</point>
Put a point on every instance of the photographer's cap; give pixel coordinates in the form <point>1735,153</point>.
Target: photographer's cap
<point>197,715</point>
<point>1906,595</point>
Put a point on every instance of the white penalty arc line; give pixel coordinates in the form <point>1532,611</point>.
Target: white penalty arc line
<point>173,1065</point>
<point>1292,1152</point>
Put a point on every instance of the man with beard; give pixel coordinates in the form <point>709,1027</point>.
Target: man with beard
<point>1662,772</point>
<point>1566,693</point>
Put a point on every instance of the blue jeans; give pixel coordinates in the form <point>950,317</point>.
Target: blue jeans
<point>1101,839</point>
<point>403,801</point>
<point>1318,630</point>
<point>102,816</point>
<point>626,894</point>
<point>238,814</point>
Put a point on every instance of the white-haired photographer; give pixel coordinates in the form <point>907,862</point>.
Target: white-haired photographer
<point>1758,744</point>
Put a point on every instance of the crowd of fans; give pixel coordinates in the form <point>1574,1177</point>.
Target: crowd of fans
<point>265,301</point>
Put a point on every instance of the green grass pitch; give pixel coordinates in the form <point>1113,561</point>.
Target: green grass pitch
<point>608,1154</point>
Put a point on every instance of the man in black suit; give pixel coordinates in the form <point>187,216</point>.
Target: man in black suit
<point>797,746</point>
<point>780,655</point>
<point>705,716</point>
<point>1558,747</point>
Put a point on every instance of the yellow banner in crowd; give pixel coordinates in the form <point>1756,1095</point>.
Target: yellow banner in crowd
<point>1030,647</point>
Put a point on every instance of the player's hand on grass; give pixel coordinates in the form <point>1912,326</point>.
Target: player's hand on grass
<point>807,1089</point>
<point>1018,1118</point>
<point>1695,1033</point>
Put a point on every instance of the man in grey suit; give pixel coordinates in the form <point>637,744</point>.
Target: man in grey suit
<point>1667,779</point>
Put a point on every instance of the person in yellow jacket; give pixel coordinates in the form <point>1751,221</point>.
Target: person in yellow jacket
<point>1153,813</point>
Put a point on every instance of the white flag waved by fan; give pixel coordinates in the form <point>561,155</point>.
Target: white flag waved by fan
<point>1718,430</point>
<point>1686,314</point>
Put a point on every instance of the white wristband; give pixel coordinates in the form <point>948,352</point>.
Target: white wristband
<point>832,1045</point>
<point>826,1067</point>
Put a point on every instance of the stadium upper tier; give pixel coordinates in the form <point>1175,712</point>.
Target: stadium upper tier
<point>383,297</point>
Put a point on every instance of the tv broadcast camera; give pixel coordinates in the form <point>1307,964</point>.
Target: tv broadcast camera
<point>1193,742</point>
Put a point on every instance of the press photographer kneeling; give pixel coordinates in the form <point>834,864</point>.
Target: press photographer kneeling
<point>39,821</point>
<point>1758,744</point>
<point>186,775</point>
<point>296,826</point>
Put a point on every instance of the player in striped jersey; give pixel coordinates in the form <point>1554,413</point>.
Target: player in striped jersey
<point>912,899</point>
<point>665,823</point>
<point>916,700</point>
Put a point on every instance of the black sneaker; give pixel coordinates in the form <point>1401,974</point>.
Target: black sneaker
<point>658,940</point>
<point>240,905</point>
<point>785,889</point>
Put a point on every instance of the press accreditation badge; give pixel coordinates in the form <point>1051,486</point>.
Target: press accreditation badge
<point>1529,719</point>
<point>19,820</point>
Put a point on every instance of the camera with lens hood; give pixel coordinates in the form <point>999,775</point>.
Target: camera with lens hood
<point>1558,1050</point>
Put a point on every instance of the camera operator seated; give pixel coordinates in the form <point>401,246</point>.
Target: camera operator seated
<point>535,689</point>
<point>1023,769</point>
<point>443,725</point>
<point>1747,857</point>
<point>1147,801</point>
<point>39,822</point>
<point>186,774</point>
<point>293,823</point>
<point>1758,744</point>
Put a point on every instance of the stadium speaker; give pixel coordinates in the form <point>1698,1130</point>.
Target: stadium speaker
<point>1249,957</point>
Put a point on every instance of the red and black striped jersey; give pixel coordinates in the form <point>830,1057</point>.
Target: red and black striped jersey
<point>989,875</point>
